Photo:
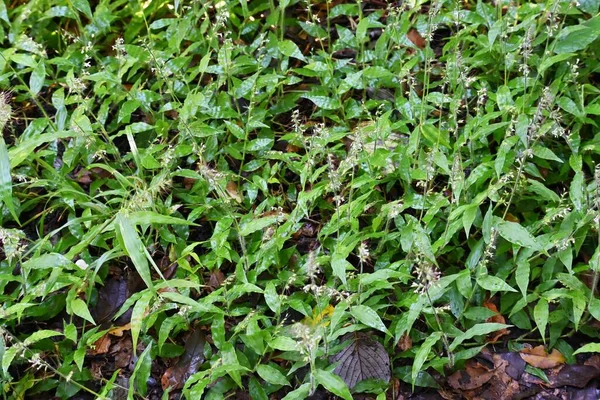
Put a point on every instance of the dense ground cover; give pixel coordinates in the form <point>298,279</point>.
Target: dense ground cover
<point>261,199</point>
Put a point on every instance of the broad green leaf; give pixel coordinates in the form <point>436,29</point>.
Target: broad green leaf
<point>545,153</point>
<point>548,62</point>
<point>284,343</point>
<point>333,384</point>
<point>339,265</point>
<point>141,372</point>
<point>290,49</point>
<point>36,80</point>
<point>577,191</point>
<point>324,102</point>
<point>6,179</point>
<point>272,375</point>
<point>8,357</point>
<point>515,233</point>
<point>134,248</point>
<point>423,353</point>
<point>540,316</point>
<point>367,316</point>
<point>588,348</point>
<point>477,330</point>
<point>137,316</point>
<point>40,335</point>
<point>494,284</point>
<point>257,224</point>
<point>588,6</point>
<point>577,37</point>
<point>272,298</point>
<point>81,310</point>
<point>301,393</point>
<point>522,276</point>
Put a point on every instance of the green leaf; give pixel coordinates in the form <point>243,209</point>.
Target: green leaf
<point>290,49</point>
<point>137,316</point>
<point>548,62</point>
<point>477,330</point>
<point>494,284</point>
<point>301,393</point>
<point>588,348</point>
<point>40,335</point>
<point>588,6</point>
<point>367,316</point>
<point>257,224</point>
<point>36,80</point>
<point>545,153</point>
<point>577,191</point>
<point>577,37</point>
<point>6,180</point>
<point>423,353</point>
<point>522,276</point>
<point>333,384</point>
<point>324,102</point>
<point>284,343</point>
<point>8,357</point>
<point>84,7</point>
<point>540,315</point>
<point>81,310</point>
<point>151,217</point>
<point>271,375</point>
<point>141,372</point>
<point>272,298</point>
<point>339,265</point>
<point>515,233</point>
<point>134,248</point>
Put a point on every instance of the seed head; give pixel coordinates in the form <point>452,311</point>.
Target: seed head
<point>5,109</point>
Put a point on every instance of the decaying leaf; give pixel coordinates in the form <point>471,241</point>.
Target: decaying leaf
<point>539,358</point>
<point>498,318</point>
<point>188,364</point>
<point>118,331</point>
<point>415,37</point>
<point>405,342</point>
<point>232,190</point>
<point>364,358</point>
<point>473,376</point>
<point>101,345</point>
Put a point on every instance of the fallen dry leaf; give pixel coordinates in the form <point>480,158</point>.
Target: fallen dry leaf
<point>232,190</point>
<point>101,345</point>
<point>415,37</point>
<point>498,318</point>
<point>473,376</point>
<point>118,330</point>
<point>405,342</point>
<point>539,358</point>
<point>188,364</point>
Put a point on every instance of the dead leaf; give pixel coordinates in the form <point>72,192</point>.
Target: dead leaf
<point>363,358</point>
<point>188,364</point>
<point>473,376</point>
<point>118,330</point>
<point>415,37</point>
<point>232,190</point>
<point>572,375</point>
<point>215,279</point>
<point>122,351</point>
<point>101,345</point>
<point>405,342</point>
<point>539,358</point>
<point>498,318</point>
